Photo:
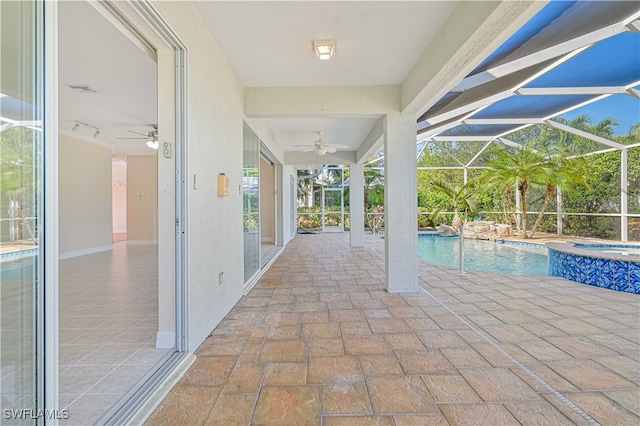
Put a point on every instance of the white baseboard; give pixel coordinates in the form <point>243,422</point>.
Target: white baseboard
<point>165,339</point>
<point>142,242</point>
<point>83,252</point>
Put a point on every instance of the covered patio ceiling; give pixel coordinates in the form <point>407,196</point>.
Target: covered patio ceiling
<point>568,56</point>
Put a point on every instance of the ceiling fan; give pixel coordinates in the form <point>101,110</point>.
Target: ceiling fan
<point>152,137</point>
<point>321,147</point>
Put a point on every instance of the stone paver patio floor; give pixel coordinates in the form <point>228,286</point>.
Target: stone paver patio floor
<point>319,341</point>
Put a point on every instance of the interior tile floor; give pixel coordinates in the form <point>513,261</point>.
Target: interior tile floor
<point>319,341</point>
<point>108,323</point>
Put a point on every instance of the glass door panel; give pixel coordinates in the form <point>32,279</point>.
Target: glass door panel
<point>20,201</point>
<point>333,217</point>
<point>251,203</point>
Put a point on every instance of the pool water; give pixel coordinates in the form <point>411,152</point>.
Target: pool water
<point>486,256</point>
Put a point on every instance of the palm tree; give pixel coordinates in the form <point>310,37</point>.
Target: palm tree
<point>566,174</point>
<point>522,167</point>
<point>527,168</point>
<point>460,197</point>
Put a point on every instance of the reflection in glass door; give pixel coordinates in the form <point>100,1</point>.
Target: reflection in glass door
<point>20,202</point>
<point>251,203</point>
<point>333,199</point>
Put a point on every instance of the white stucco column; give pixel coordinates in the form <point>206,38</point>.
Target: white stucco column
<point>356,204</point>
<point>400,203</point>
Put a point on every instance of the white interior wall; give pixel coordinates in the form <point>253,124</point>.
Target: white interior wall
<point>119,196</point>
<point>142,199</point>
<point>85,190</point>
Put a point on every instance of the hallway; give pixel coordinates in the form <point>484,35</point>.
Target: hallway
<point>319,341</point>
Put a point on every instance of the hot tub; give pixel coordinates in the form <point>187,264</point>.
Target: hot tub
<point>612,266</point>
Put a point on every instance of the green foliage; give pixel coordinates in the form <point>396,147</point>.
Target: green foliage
<point>589,184</point>
<point>19,183</point>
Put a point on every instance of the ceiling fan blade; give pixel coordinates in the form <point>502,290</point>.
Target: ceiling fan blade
<point>309,150</point>
<point>132,138</point>
<point>330,149</point>
<point>138,133</point>
<point>303,146</point>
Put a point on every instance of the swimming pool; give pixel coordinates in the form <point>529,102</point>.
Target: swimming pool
<point>486,256</point>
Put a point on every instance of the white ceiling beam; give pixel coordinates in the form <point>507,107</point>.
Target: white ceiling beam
<point>450,167</point>
<point>493,121</point>
<point>602,151</point>
<point>475,157</point>
<point>473,30</point>
<point>470,108</point>
<point>473,108</point>
<point>541,56</point>
<point>509,143</point>
<point>633,92</point>
<point>6,126</point>
<point>463,138</point>
<point>339,157</point>
<point>634,26</point>
<point>437,130</point>
<point>559,91</point>
<point>371,143</point>
<point>446,151</point>
<point>334,101</point>
<point>584,134</point>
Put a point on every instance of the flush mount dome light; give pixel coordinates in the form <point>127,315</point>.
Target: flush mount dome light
<point>324,48</point>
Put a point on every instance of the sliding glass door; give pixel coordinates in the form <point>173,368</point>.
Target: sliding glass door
<point>21,255</point>
<point>251,203</point>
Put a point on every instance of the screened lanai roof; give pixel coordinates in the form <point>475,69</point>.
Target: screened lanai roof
<point>571,54</point>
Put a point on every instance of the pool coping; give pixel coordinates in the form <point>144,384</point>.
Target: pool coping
<point>569,247</point>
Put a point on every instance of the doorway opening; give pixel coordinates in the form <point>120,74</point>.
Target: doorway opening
<point>108,210</point>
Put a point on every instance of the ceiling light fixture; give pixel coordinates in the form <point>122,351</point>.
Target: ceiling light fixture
<point>321,151</point>
<point>324,48</point>
<point>153,144</point>
<point>76,127</point>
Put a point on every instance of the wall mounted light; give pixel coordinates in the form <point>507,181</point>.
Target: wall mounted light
<point>324,48</point>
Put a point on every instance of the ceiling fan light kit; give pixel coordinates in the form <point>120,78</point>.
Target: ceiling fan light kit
<point>151,137</point>
<point>321,147</point>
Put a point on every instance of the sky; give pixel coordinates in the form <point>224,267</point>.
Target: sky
<point>624,108</point>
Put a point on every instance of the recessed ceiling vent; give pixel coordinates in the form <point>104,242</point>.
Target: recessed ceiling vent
<point>82,88</point>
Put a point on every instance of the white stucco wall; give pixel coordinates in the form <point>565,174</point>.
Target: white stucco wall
<point>215,114</point>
